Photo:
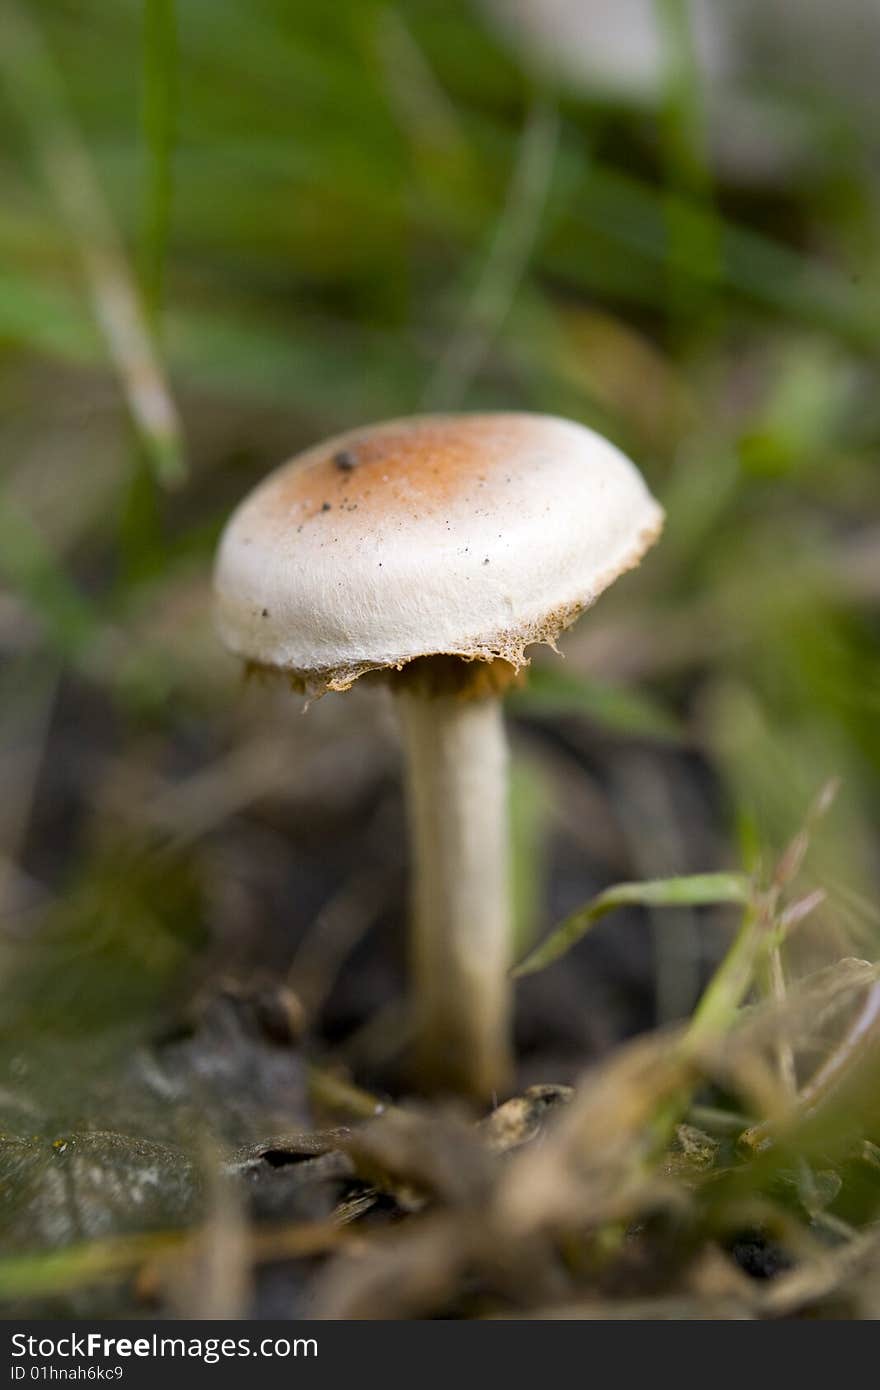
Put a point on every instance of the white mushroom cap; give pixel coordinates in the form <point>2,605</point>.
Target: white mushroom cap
<point>466,535</point>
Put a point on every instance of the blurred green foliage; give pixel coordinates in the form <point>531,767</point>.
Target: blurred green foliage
<point>325,214</point>
<point>227,230</point>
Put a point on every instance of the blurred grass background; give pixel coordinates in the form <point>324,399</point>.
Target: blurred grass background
<point>228,230</point>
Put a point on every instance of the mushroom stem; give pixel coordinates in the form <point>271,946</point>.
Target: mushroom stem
<point>456,753</point>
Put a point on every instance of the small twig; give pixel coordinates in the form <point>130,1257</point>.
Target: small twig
<point>335,1093</point>
<point>863,1028</point>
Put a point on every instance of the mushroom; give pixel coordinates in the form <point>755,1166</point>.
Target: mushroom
<point>435,550</point>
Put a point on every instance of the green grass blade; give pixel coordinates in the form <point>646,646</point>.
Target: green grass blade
<point>692,241</point>
<point>33,84</point>
<point>551,694</point>
<point>695,890</point>
<point>158,122</point>
<point>506,266</point>
<point>629,215</point>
